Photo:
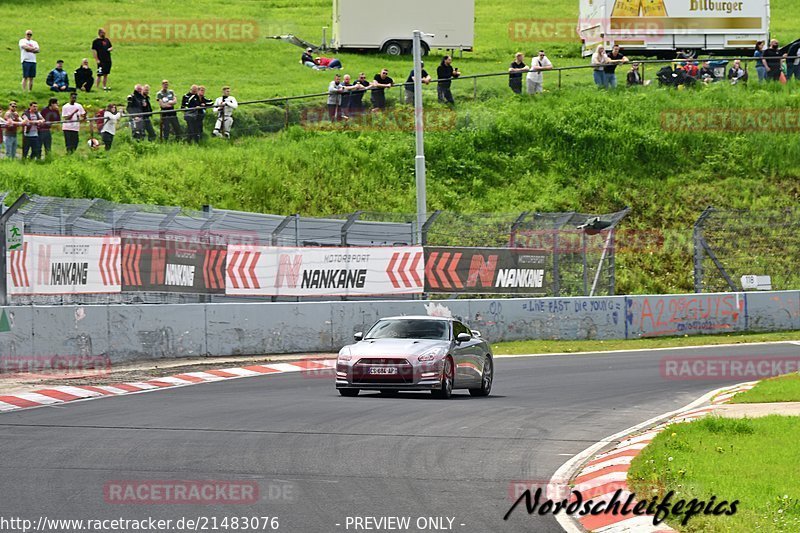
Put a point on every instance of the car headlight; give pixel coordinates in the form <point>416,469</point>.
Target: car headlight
<point>344,355</point>
<point>432,354</point>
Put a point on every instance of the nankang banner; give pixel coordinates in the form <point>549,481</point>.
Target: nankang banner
<point>163,265</point>
<point>485,270</point>
<point>323,272</point>
<point>46,264</point>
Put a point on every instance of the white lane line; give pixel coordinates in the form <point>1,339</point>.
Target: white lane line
<point>630,350</point>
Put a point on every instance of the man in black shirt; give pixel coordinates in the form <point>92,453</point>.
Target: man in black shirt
<point>84,79</point>
<point>515,73</point>
<point>136,104</point>
<point>772,61</point>
<point>190,115</point>
<point>101,48</point>
<point>148,119</point>
<point>426,79</point>
<point>617,57</point>
<point>381,82</point>
<point>356,106</point>
<point>445,73</point>
<point>307,59</point>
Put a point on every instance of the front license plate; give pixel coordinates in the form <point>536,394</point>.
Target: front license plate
<point>382,370</point>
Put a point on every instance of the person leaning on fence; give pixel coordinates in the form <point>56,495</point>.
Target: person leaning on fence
<point>515,71</point>
<point>201,104</point>
<point>445,72</point>
<point>72,114</point>
<point>58,79</point>
<point>108,128</point>
<point>223,108</point>
<point>409,88</point>
<point>31,122</point>
<point>148,117</point>
<point>135,107</point>
<point>599,62</point>
<point>169,118</point>
<point>761,68</point>
<point>51,114</point>
<point>535,78</point>
<point>84,77</point>
<point>335,90</point>
<point>380,83</point>
<point>736,74</point>
<point>13,122</point>
<point>190,115</point>
<point>616,57</point>
<point>772,61</point>
<point>357,92</point>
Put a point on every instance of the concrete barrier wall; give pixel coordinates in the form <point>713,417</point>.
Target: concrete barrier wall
<point>129,332</point>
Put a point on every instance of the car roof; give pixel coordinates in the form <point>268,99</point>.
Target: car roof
<point>419,317</point>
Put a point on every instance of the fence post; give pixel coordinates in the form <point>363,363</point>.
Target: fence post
<point>697,239</point>
<point>346,226</point>
<point>286,114</point>
<point>559,78</point>
<point>512,241</point>
<point>427,226</point>
<point>475,88</point>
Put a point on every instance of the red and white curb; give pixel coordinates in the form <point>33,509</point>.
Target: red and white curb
<point>70,393</point>
<point>599,475</point>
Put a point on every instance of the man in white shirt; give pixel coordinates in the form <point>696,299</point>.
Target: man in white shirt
<point>223,107</point>
<point>71,115</point>
<point>535,77</point>
<point>28,48</point>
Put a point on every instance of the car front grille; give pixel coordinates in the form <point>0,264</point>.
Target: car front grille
<point>405,372</point>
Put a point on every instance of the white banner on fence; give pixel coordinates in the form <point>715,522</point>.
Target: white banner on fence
<point>47,264</point>
<point>375,271</point>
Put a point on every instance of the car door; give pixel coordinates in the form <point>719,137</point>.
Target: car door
<point>467,367</point>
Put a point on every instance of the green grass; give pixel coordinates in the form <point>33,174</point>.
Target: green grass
<point>778,389</point>
<point>574,149</point>
<point>546,346</point>
<point>750,460</point>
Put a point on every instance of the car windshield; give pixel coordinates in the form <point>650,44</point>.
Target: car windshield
<point>409,329</point>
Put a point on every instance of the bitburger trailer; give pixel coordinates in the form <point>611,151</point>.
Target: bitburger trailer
<point>663,27</point>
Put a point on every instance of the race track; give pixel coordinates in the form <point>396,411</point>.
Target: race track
<point>319,458</point>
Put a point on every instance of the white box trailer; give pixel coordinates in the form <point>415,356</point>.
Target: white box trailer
<point>387,25</point>
<point>663,27</point>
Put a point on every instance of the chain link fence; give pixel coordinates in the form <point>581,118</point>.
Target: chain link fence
<point>732,244</point>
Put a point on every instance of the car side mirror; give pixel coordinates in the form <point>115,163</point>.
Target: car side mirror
<point>463,337</point>
<point>358,336</point>
<point>475,333</point>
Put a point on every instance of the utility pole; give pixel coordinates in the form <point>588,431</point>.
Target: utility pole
<point>419,125</point>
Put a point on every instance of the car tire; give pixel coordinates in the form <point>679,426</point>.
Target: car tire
<point>393,48</point>
<point>448,377</point>
<point>350,393</point>
<point>486,379</point>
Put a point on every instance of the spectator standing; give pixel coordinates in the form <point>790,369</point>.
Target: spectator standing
<point>13,121</point>
<point>223,107</point>
<point>380,83</point>
<point>535,78</point>
<point>84,77</point>
<point>515,71</point>
<point>72,114</point>
<point>737,73</point>
<point>50,114</point>
<point>772,61</point>
<point>335,90</point>
<point>31,122</point>
<point>445,73</point>
<point>189,102</point>
<point>599,62</point>
<point>199,104</point>
<point>148,118</point>
<point>761,67</point>
<point>135,108</point>
<point>616,57</point>
<point>57,79</point>
<point>169,118</point>
<point>426,79</point>
<point>28,48</point>
<point>360,86</point>
<point>101,49</point>
<point>111,118</point>
<point>347,83</point>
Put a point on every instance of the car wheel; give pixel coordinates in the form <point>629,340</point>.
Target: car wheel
<point>486,379</point>
<point>393,48</point>
<point>448,374</point>
<point>349,392</point>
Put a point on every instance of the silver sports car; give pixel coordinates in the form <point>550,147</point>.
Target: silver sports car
<point>416,353</point>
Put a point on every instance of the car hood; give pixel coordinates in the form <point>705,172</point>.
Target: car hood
<point>384,347</point>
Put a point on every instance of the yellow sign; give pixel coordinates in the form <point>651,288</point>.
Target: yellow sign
<point>633,8</point>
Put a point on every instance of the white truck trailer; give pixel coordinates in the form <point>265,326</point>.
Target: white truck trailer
<point>387,25</point>
<point>663,27</point>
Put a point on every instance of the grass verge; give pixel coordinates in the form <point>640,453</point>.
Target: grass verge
<point>750,460</point>
<point>546,346</point>
<point>778,389</point>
